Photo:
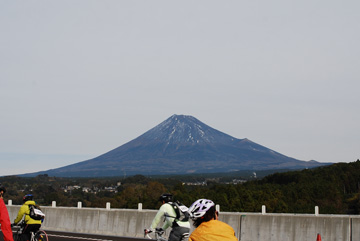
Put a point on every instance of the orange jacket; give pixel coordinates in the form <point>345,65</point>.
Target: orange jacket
<point>5,222</point>
<point>213,230</point>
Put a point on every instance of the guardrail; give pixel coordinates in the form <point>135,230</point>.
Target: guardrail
<point>247,226</point>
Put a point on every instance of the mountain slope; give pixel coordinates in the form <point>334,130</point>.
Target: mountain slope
<point>182,144</point>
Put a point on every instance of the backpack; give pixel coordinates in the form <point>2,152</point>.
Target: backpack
<point>35,212</point>
<point>181,211</point>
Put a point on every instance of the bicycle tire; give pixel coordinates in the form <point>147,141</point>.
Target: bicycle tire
<point>16,236</point>
<point>41,236</point>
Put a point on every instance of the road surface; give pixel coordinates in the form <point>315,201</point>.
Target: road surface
<point>62,236</point>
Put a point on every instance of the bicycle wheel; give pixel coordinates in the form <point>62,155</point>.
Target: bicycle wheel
<point>16,236</point>
<point>41,236</point>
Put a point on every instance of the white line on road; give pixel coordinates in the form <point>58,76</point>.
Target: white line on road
<point>74,237</point>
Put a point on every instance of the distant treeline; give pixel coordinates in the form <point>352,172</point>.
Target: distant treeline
<point>335,189</point>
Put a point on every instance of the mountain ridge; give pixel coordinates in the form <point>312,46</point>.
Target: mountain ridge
<point>181,144</point>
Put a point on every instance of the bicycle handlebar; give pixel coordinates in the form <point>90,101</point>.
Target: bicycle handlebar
<point>158,231</point>
<point>18,225</point>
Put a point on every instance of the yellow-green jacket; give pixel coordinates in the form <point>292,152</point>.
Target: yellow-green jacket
<point>24,210</point>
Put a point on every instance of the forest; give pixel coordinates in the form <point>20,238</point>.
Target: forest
<point>335,189</point>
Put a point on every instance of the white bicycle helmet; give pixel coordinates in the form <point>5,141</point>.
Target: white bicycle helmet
<point>200,207</point>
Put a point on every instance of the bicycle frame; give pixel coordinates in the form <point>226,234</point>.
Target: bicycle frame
<point>159,236</point>
<point>39,235</point>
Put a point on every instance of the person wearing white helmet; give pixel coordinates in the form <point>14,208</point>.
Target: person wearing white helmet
<point>208,227</point>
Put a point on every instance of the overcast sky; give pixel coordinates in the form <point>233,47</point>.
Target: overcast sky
<point>80,78</point>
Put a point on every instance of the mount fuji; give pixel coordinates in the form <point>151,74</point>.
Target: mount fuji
<point>181,145</point>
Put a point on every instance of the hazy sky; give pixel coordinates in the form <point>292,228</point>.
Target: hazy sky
<point>80,78</point>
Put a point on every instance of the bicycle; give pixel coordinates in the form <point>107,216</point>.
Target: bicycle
<point>159,232</point>
<point>39,235</point>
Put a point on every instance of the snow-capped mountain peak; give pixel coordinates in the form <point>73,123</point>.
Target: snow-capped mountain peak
<point>183,129</point>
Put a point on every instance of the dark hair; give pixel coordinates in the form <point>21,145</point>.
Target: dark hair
<point>2,188</point>
<point>209,215</point>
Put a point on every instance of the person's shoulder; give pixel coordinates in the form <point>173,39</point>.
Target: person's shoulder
<point>30,202</point>
<point>226,230</point>
<point>218,222</point>
<point>166,206</point>
<point>218,225</point>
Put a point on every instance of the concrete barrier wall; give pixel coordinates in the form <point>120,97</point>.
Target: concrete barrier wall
<point>273,227</point>
<point>247,226</point>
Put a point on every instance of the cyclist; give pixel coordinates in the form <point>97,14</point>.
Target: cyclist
<point>4,217</point>
<point>167,211</point>
<point>208,227</point>
<point>31,225</point>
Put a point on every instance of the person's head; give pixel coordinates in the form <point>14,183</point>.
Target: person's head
<point>2,190</point>
<point>28,197</point>
<point>202,210</point>
<point>166,197</point>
